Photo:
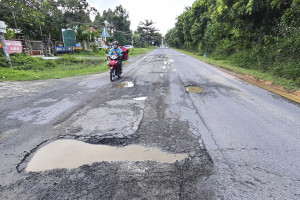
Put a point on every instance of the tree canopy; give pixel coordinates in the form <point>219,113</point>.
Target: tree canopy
<point>35,18</point>
<point>147,34</point>
<point>118,23</point>
<point>264,32</point>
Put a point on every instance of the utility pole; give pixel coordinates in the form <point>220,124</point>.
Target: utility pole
<point>132,40</point>
<point>2,40</point>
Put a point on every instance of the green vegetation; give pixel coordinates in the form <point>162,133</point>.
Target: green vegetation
<point>146,34</point>
<point>35,68</point>
<point>256,37</point>
<point>81,53</point>
<point>116,20</point>
<point>37,18</point>
<point>138,51</point>
<point>266,76</point>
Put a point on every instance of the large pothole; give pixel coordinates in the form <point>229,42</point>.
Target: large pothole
<point>72,154</point>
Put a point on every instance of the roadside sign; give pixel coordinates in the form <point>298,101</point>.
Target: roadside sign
<point>14,46</point>
<point>105,34</point>
<point>1,45</point>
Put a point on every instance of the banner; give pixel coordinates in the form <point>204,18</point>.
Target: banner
<point>13,46</point>
<point>69,37</point>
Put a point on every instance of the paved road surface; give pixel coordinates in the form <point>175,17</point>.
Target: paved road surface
<point>242,142</point>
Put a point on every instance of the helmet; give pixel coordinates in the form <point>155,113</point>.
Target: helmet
<point>115,42</point>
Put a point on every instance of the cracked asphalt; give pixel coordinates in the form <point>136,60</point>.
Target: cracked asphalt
<point>242,142</point>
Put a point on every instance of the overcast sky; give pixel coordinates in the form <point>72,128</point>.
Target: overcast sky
<point>162,12</point>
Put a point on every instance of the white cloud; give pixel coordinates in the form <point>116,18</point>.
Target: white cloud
<point>162,12</point>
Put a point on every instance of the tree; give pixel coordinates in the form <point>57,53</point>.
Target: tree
<point>35,18</point>
<point>117,22</point>
<point>148,33</point>
<point>261,33</point>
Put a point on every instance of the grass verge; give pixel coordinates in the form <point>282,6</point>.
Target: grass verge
<point>138,51</point>
<point>55,73</point>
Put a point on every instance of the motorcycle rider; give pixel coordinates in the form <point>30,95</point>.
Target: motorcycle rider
<point>117,51</point>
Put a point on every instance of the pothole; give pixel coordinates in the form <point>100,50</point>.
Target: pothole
<point>194,89</point>
<point>124,85</point>
<point>72,154</point>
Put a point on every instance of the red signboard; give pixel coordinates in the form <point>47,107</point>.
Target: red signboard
<point>14,46</point>
<point>1,45</point>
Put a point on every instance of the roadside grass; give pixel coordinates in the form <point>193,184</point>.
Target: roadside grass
<point>138,51</point>
<point>7,74</point>
<point>82,53</point>
<point>266,76</point>
<point>29,68</point>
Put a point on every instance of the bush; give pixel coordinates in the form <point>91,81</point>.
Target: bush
<point>50,64</point>
<point>94,48</point>
<point>224,48</point>
<point>291,71</point>
<point>67,59</point>
<point>3,62</point>
<point>95,52</point>
<point>22,61</point>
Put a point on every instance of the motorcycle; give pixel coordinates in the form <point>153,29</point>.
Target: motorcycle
<point>115,69</point>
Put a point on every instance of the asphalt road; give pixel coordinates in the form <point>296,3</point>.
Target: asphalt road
<point>242,142</point>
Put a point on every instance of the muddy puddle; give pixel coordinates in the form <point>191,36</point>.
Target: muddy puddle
<point>125,84</point>
<point>72,154</point>
<point>194,89</point>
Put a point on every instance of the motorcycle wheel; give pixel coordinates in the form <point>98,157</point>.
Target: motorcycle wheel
<point>119,73</point>
<point>112,75</point>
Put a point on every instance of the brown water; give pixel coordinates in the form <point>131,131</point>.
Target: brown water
<point>194,89</point>
<point>72,154</point>
<point>124,84</point>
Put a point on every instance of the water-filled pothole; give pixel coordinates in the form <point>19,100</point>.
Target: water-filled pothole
<point>194,89</point>
<point>124,84</point>
<point>72,154</point>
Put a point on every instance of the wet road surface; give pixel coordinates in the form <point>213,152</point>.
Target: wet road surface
<point>241,142</point>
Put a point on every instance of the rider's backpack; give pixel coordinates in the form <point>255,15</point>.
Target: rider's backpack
<point>125,53</point>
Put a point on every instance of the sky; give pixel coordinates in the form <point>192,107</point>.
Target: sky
<point>162,12</point>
